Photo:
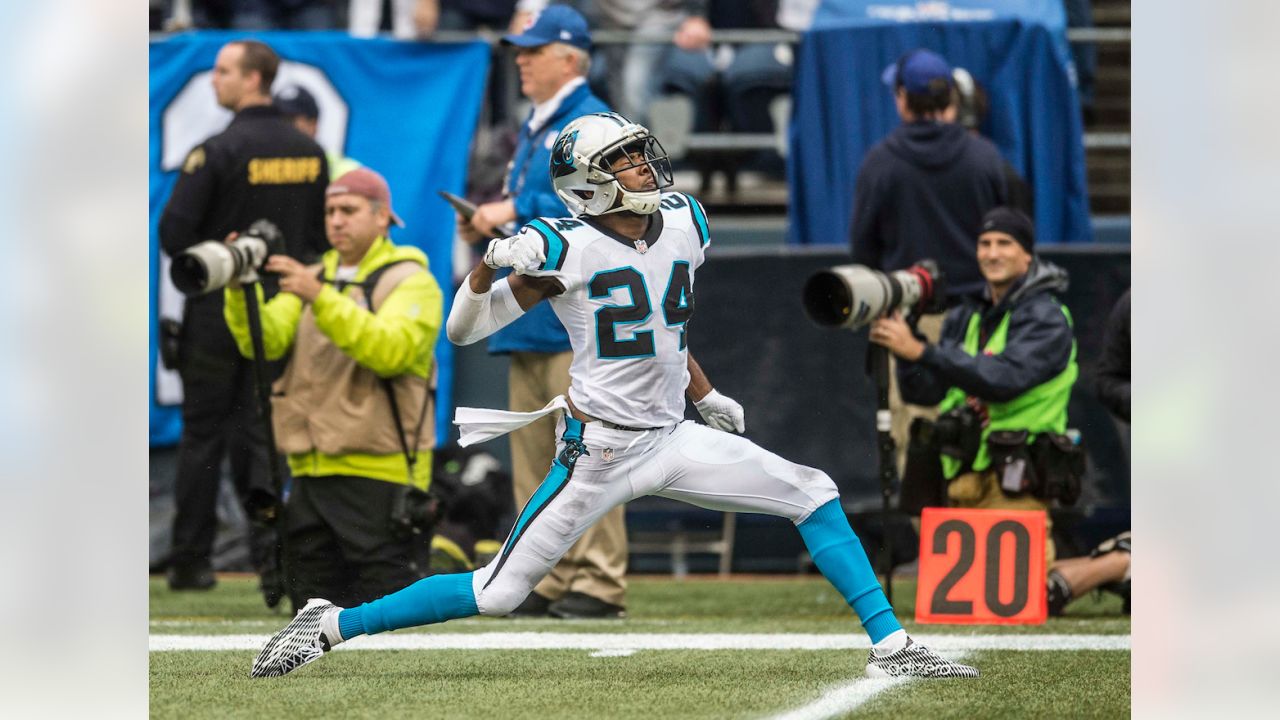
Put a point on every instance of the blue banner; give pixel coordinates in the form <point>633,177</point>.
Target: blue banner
<point>405,109</point>
<point>841,109</point>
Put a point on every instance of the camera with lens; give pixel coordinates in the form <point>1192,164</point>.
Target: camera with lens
<point>957,433</point>
<point>852,296</point>
<point>212,264</point>
<point>413,512</point>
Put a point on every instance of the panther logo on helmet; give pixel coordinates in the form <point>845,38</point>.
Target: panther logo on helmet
<point>562,154</point>
<point>590,153</point>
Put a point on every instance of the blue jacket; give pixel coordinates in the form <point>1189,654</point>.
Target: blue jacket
<point>1039,345</point>
<point>529,183</point>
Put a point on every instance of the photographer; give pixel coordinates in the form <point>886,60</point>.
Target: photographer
<point>353,409</point>
<point>1003,372</point>
<point>259,167</point>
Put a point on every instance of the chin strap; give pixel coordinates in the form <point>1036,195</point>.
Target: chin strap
<point>627,201</point>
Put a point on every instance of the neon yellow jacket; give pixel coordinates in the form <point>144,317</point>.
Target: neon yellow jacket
<point>331,414</point>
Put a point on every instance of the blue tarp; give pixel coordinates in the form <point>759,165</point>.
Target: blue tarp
<point>408,110</point>
<point>841,109</point>
<point>847,13</point>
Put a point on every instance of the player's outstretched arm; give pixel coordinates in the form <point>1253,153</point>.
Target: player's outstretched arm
<point>483,306</point>
<point>719,411</point>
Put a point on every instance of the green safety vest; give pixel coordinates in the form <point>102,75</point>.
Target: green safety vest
<point>1043,408</point>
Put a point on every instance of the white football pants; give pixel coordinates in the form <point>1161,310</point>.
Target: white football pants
<point>688,462</point>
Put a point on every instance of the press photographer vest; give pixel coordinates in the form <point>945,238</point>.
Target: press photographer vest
<point>326,402</point>
<point>1043,408</point>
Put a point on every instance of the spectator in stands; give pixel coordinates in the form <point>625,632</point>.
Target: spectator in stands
<point>920,194</point>
<point>1003,371</point>
<point>284,14</point>
<point>256,14</point>
<point>1113,368</point>
<point>353,410</point>
<point>405,18</point>
<point>214,196</point>
<point>552,55</point>
<point>300,108</point>
<point>731,89</point>
<point>432,15</point>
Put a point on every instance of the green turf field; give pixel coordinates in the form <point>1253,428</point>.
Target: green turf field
<point>589,672</point>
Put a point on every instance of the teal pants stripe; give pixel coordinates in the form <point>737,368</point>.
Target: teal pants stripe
<point>557,478</point>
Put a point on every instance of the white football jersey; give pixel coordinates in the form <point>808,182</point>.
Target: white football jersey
<point>626,306</point>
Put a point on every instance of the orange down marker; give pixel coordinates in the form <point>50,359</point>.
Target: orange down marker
<point>981,567</point>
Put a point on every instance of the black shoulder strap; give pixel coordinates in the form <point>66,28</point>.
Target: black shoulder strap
<point>410,454</point>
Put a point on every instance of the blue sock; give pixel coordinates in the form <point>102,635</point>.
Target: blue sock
<point>838,553</point>
<point>430,600</point>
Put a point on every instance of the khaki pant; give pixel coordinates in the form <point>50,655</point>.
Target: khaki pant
<point>902,414</point>
<point>597,564</point>
<point>982,491</point>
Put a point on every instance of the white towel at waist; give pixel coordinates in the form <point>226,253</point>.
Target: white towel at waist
<point>476,425</point>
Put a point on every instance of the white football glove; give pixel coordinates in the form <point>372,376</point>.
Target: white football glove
<point>721,412</point>
<point>521,253</point>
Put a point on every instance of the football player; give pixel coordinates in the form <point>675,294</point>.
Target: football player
<point>620,276</point>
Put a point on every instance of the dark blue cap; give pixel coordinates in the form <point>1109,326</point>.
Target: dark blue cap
<point>915,70</point>
<point>558,23</point>
<point>293,100</point>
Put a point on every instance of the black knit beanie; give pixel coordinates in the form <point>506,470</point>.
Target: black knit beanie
<point>1013,223</point>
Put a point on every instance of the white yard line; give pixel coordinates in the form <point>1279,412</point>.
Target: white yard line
<point>646,641</point>
<point>843,699</point>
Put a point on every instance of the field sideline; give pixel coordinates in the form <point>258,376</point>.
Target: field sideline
<point>747,647</point>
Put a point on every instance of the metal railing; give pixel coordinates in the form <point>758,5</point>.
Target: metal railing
<point>1097,36</point>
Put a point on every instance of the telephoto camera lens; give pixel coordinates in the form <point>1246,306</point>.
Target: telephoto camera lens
<point>208,266</point>
<point>852,296</point>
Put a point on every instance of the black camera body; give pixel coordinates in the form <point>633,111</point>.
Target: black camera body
<point>413,513</point>
<point>210,265</point>
<point>957,433</point>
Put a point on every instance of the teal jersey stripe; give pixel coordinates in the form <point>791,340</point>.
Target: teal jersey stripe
<point>699,219</point>
<point>555,244</point>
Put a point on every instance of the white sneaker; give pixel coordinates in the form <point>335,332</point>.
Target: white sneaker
<point>916,660</point>
<point>302,641</point>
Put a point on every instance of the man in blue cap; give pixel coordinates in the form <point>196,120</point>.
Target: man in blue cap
<point>923,190</point>
<point>921,193</point>
<point>552,55</point>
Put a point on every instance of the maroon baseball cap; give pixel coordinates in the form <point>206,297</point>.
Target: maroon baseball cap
<point>367,184</point>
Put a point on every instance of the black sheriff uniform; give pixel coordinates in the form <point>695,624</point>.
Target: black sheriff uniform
<point>259,167</point>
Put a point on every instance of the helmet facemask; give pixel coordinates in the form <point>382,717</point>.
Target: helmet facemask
<point>636,149</point>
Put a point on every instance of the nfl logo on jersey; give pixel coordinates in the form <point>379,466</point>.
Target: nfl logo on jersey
<point>642,246</point>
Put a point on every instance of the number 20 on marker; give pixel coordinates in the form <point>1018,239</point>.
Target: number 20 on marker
<point>981,567</point>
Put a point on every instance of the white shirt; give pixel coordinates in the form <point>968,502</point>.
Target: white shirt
<point>542,112</point>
